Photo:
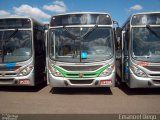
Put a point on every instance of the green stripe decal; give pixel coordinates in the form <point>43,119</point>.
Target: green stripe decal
<point>76,74</point>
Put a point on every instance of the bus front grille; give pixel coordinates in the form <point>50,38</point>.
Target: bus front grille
<point>156,81</point>
<point>6,80</point>
<point>81,75</point>
<point>8,74</point>
<point>155,75</point>
<point>81,81</point>
<point>153,68</point>
<point>81,68</point>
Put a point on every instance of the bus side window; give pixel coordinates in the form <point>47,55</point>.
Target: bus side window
<point>39,38</point>
<point>158,21</point>
<point>118,33</point>
<point>126,43</point>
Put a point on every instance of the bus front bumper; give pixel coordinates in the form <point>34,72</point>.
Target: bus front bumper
<point>18,81</point>
<point>108,81</point>
<point>141,82</point>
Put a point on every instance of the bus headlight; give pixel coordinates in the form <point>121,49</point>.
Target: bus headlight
<point>25,71</point>
<point>55,72</point>
<point>107,71</point>
<point>138,72</point>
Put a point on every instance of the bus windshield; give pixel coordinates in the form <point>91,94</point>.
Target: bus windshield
<point>81,44</point>
<point>15,45</point>
<point>146,43</point>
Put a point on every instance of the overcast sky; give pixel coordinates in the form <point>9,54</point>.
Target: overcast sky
<point>42,10</point>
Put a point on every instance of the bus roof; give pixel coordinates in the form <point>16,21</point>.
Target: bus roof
<point>22,17</point>
<point>72,13</point>
<point>142,13</point>
<point>10,22</point>
<point>145,13</point>
<point>127,21</point>
<point>144,18</point>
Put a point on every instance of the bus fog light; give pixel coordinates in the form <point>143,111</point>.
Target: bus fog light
<point>138,72</point>
<point>55,72</point>
<point>25,71</point>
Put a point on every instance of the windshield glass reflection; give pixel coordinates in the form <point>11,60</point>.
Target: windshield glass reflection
<point>146,44</point>
<point>95,46</point>
<point>15,46</point>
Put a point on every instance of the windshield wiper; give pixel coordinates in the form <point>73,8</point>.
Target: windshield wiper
<point>12,35</point>
<point>84,36</point>
<point>66,29</point>
<point>154,32</point>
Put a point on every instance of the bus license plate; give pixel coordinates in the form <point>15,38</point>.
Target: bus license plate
<point>24,82</point>
<point>105,82</point>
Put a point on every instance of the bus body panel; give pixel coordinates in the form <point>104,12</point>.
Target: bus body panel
<point>78,81</point>
<point>72,74</point>
<point>152,79</point>
<point>18,81</point>
<point>141,72</point>
<point>28,72</point>
<point>139,82</point>
<point>65,82</point>
<point>11,77</point>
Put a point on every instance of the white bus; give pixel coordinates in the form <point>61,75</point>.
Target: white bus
<point>140,63</point>
<point>22,51</point>
<point>81,50</point>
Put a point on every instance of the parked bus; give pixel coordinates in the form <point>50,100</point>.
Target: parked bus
<point>81,50</point>
<point>22,51</point>
<point>140,63</point>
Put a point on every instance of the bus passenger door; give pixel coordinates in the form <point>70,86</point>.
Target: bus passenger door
<point>118,48</point>
<point>125,57</point>
<point>40,55</point>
